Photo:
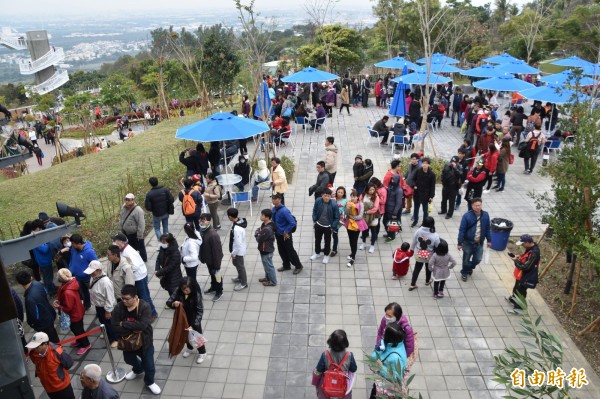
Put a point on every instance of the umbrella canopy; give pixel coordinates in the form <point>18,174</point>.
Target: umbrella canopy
<point>420,77</point>
<point>501,59</point>
<point>567,78</point>
<point>574,61</point>
<point>309,75</point>
<point>436,67</point>
<point>439,58</point>
<point>220,127</point>
<point>483,71</point>
<point>519,67</point>
<point>396,63</point>
<point>503,83</point>
<point>263,102</point>
<point>553,93</point>
<point>398,105</point>
<point>592,70</point>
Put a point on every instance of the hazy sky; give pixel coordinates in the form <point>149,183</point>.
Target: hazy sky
<point>118,7</point>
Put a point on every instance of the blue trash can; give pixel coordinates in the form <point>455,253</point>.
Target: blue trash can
<point>501,229</point>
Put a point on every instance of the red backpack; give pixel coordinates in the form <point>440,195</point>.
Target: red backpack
<point>335,381</point>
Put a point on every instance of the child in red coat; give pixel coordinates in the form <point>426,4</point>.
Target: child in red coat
<point>402,257</point>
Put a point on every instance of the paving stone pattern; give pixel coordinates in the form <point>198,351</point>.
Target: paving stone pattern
<point>265,341</point>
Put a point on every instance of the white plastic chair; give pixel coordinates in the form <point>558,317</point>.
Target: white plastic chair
<point>242,196</point>
<point>401,141</point>
<point>286,137</point>
<point>373,134</point>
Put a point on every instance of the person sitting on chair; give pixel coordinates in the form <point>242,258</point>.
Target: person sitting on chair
<point>320,116</point>
<point>242,169</point>
<point>262,175</point>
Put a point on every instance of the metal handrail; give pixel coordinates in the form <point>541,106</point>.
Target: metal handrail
<point>52,57</point>
<point>17,43</point>
<point>59,78</point>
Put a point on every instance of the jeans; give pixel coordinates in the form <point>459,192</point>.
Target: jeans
<point>332,177</point>
<point>240,186</point>
<point>374,230</point>
<point>455,112</point>
<point>448,199</point>
<point>84,290</point>
<point>77,329</point>
<point>320,233</point>
<point>267,261</point>
<point>138,245</point>
<point>472,254</point>
<point>146,365</point>
<point>107,324</point>
<point>418,205</point>
<point>157,221</point>
<point>48,275</point>
<point>336,240</point>
<point>417,271</point>
<point>288,254</point>
<point>360,186</point>
<point>144,293</point>
<point>195,220</point>
<point>238,262</point>
<point>353,239</point>
<point>458,200</point>
<point>191,271</point>
<point>501,180</point>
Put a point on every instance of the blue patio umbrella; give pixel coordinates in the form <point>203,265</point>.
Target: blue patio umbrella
<point>483,71</point>
<point>567,78</point>
<point>503,83</point>
<point>221,126</point>
<point>592,70</point>
<point>309,75</point>
<point>398,105</point>
<point>263,102</point>
<point>574,61</point>
<point>518,67</point>
<point>396,63</point>
<point>439,58</point>
<point>420,77</point>
<point>553,93</point>
<point>437,67</point>
<point>501,59</point>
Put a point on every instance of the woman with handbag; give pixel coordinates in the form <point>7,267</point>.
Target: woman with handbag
<point>168,263</point>
<point>69,302</point>
<point>189,295</point>
<point>370,200</point>
<point>354,223</point>
<point>393,208</point>
<point>132,319</point>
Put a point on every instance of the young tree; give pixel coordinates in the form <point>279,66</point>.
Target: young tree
<point>345,49</point>
<point>321,14</point>
<point>188,51</point>
<point>160,51</point>
<point>527,26</point>
<point>388,12</point>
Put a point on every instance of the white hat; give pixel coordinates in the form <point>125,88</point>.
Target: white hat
<point>37,339</point>
<point>93,266</point>
<point>130,196</point>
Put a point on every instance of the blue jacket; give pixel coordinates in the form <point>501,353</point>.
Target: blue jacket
<point>40,314</point>
<point>468,226</point>
<point>283,219</point>
<point>81,259</point>
<point>332,212</point>
<point>43,255</point>
<point>391,355</point>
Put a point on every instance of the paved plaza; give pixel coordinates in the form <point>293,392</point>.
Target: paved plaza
<point>264,342</point>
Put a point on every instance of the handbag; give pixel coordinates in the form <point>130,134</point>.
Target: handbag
<point>287,113</point>
<point>393,227</point>
<point>64,322</point>
<point>408,190</point>
<point>133,341</point>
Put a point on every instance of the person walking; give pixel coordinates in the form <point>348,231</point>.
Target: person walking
<point>325,218</point>
<point>52,366</point>
<point>132,223</point>
<point>424,241</point>
<point>189,295</point>
<point>237,247</point>
<point>40,314</point>
<point>191,203</point>
<point>474,230</point>
<point>68,301</point>
<point>212,196</point>
<point>265,237</point>
<point>285,225</point>
<point>345,100</point>
<point>133,316</point>
<point>526,270</point>
<point>424,190</point>
<point>476,179</point>
<point>504,160</point>
<point>370,201</point>
<point>337,354</point>
<point>159,201</point>
<point>103,298</point>
<point>439,265</point>
<point>190,250</point>
<point>211,254</point>
<point>168,263</point>
<point>94,386</point>
<point>535,142</point>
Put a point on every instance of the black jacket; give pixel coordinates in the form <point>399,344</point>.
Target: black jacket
<point>168,267</point>
<point>451,177</point>
<point>159,201</point>
<point>40,314</point>
<point>142,322</point>
<point>243,170</point>
<point>529,263</point>
<point>18,304</point>
<point>265,236</point>
<point>425,185</point>
<point>194,309</point>
<point>197,163</point>
<point>320,185</point>
<point>211,252</point>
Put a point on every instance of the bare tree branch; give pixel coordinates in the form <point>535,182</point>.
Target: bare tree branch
<point>321,14</point>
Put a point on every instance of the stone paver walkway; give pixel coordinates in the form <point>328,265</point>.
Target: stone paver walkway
<point>264,342</point>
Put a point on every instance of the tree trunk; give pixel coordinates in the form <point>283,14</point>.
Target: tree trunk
<point>551,262</point>
<point>574,298</point>
<point>591,327</point>
<point>571,272</point>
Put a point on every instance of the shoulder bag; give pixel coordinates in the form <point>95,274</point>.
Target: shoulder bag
<point>133,341</point>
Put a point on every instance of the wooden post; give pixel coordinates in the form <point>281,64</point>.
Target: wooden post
<point>551,262</point>
<point>591,327</point>
<point>574,297</point>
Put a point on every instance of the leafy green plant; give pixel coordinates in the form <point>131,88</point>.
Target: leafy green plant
<point>437,165</point>
<point>543,352</point>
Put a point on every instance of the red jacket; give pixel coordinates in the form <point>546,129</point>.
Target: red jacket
<point>378,89</point>
<point>491,161</point>
<point>70,300</point>
<point>48,369</point>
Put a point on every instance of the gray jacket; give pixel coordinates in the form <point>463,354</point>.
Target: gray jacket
<point>102,293</point>
<point>104,391</point>
<point>410,174</point>
<point>134,224</point>
<point>425,240</point>
<point>440,266</point>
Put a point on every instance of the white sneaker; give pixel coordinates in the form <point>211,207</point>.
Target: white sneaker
<point>361,246</point>
<point>350,263</point>
<point>371,249</point>
<point>315,256</point>
<point>131,375</point>
<point>201,358</point>
<point>486,191</point>
<point>326,259</point>
<point>186,353</point>
<point>155,389</point>
<point>240,286</point>
<point>349,257</point>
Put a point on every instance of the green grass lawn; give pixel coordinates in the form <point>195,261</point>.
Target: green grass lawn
<point>80,133</point>
<point>546,67</point>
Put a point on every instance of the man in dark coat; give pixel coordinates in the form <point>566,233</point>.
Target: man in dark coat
<point>526,269</point>
<point>159,201</point>
<point>322,181</point>
<point>94,386</point>
<point>451,179</point>
<point>40,314</point>
<point>211,254</point>
<point>424,190</point>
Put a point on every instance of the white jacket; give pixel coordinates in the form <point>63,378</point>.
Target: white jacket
<point>190,251</point>
<point>102,293</point>
<point>137,263</point>
<point>239,241</point>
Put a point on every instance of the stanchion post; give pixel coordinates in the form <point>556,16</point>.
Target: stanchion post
<point>118,373</point>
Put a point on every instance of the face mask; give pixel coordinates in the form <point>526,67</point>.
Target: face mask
<point>203,227</point>
<point>390,320</point>
<point>68,244</point>
<point>163,245</point>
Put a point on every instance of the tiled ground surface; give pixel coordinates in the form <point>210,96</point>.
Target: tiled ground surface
<point>264,342</point>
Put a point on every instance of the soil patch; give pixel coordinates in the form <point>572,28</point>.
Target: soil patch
<point>551,288</point>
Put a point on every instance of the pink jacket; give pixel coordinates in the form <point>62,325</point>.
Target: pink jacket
<point>409,338</point>
<point>382,193</point>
